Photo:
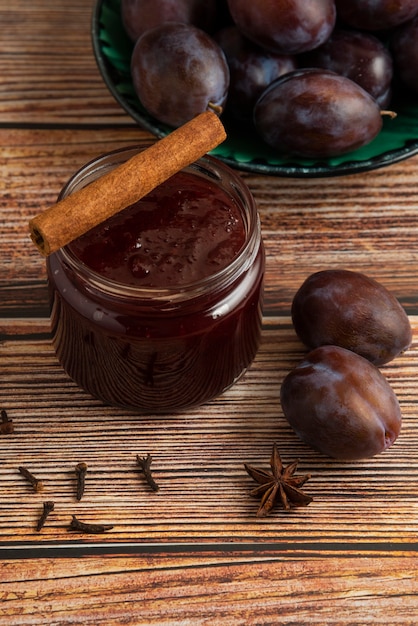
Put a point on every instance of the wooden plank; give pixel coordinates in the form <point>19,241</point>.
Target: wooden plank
<point>307,224</point>
<point>194,552</point>
<point>211,589</point>
<point>48,73</point>
<point>198,457</point>
<point>36,165</point>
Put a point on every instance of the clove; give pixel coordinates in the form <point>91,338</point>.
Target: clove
<point>35,482</point>
<point>48,508</point>
<point>145,467</point>
<point>6,424</point>
<point>84,527</point>
<point>81,470</point>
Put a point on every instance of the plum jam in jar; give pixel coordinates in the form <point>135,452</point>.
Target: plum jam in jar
<point>159,308</point>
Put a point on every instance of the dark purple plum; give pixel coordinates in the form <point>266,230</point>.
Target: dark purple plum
<point>359,56</point>
<point>251,69</point>
<point>349,309</point>
<point>405,53</point>
<point>285,26</point>
<point>179,71</point>
<point>375,15</point>
<point>139,16</point>
<point>341,404</point>
<point>316,113</point>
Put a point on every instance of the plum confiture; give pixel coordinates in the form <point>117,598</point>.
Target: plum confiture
<point>159,307</point>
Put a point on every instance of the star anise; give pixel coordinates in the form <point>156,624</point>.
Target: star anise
<point>281,485</point>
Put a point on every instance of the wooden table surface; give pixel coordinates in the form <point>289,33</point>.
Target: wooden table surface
<point>194,552</point>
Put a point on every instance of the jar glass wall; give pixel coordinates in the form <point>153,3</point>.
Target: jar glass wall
<point>160,348</point>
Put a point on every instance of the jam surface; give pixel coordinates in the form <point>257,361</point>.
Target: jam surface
<point>180,232</point>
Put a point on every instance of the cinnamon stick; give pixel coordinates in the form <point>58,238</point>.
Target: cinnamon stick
<point>87,207</point>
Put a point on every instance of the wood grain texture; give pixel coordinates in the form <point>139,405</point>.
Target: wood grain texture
<point>194,552</point>
<point>198,457</point>
<point>234,589</point>
<point>307,224</point>
<point>48,73</point>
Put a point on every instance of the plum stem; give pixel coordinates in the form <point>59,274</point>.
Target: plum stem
<point>216,108</point>
<point>390,114</point>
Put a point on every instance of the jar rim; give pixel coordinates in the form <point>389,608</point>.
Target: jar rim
<point>208,166</point>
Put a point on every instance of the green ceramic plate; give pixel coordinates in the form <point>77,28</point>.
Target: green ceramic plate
<point>398,139</point>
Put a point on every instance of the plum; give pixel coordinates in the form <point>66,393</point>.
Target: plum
<point>285,26</point>
<point>139,16</point>
<point>349,309</point>
<point>375,15</point>
<point>359,56</point>
<point>251,69</point>
<point>404,46</point>
<point>179,71</point>
<point>316,113</point>
<point>339,403</point>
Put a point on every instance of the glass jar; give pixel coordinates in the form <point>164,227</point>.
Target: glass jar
<point>159,349</point>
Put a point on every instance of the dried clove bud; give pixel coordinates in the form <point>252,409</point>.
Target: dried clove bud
<point>48,508</point>
<point>36,484</point>
<point>145,467</point>
<point>81,470</point>
<point>6,424</point>
<point>83,527</point>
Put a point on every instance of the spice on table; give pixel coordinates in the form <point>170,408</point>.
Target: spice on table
<point>84,527</point>
<point>6,424</point>
<point>35,482</point>
<point>81,470</point>
<point>48,508</point>
<point>126,184</point>
<point>280,485</point>
<point>145,467</point>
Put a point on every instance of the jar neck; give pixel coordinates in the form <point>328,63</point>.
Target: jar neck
<point>208,285</point>
<point>206,168</point>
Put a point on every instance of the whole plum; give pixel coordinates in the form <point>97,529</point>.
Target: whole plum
<point>285,26</point>
<point>359,56</point>
<point>316,113</point>
<point>251,69</point>
<point>141,15</point>
<point>376,15</point>
<point>341,404</point>
<point>349,309</point>
<point>404,47</point>
<point>179,71</point>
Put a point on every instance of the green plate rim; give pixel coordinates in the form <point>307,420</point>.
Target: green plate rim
<point>292,169</point>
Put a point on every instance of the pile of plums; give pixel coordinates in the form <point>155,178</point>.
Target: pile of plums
<point>337,400</point>
<point>313,77</point>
